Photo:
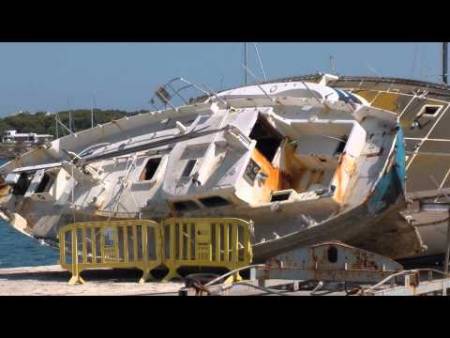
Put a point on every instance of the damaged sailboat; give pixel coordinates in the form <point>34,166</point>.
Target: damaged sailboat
<point>305,161</point>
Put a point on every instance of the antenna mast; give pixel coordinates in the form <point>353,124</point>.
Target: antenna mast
<point>92,111</point>
<point>332,65</point>
<point>56,127</point>
<point>245,62</point>
<point>70,115</point>
<point>444,61</point>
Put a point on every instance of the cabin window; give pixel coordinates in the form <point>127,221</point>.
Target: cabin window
<point>341,146</point>
<point>42,187</point>
<point>280,196</point>
<point>188,168</point>
<point>267,138</point>
<point>214,201</point>
<point>21,187</point>
<point>430,110</point>
<point>150,169</point>
<point>185,206</point>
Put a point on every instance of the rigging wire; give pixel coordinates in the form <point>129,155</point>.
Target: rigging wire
<point>260,62</point>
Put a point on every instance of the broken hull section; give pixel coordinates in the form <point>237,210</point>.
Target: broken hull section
<point>374,225</point>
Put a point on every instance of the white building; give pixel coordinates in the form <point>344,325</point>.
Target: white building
<point>12,136</point>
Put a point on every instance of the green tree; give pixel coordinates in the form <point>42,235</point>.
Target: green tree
<point>44,123</point>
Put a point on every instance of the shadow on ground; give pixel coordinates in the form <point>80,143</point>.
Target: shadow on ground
<point>110,275</point>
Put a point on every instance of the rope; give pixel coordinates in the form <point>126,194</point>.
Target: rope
<point>122,187</point>
<point>233,272</point>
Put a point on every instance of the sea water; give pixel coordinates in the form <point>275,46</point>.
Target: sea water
<point>17,249</point>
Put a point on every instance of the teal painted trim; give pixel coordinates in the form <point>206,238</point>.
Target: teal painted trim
<point>392,184</point>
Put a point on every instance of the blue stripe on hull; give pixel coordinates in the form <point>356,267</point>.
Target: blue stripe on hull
<point>392,185</point>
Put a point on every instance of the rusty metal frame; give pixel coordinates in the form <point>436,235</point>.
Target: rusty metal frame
<point>348,264</point>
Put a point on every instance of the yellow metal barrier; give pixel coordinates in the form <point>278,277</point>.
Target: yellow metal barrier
<point>205,242</point>
<point>113,244</point>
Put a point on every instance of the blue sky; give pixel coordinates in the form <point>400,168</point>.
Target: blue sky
<point>59,76</point>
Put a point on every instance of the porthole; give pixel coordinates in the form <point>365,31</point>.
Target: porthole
<point>332,254</point>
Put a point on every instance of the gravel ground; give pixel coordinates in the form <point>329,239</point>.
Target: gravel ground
<point>53,281</point>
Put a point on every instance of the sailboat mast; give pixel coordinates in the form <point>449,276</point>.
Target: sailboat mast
<point>444,61</point>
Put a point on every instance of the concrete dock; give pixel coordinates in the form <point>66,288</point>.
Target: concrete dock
<point>53,281</point>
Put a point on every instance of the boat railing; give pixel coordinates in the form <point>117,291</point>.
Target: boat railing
<point>178,92</point>
<point>411,282</point>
